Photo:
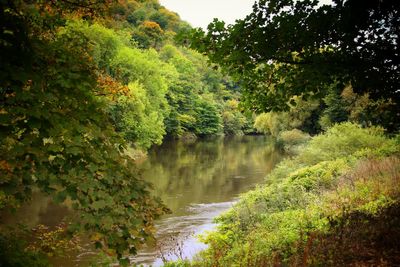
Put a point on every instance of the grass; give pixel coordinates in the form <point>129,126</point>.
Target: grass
<point>334,204</point>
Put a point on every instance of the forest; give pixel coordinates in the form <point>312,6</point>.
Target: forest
<point>89,87</point>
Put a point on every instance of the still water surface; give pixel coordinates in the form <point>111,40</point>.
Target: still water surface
<point>197,181</point>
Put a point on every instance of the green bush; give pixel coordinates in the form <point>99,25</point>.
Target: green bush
<point>343,140</point>
<point>271,123</point>
<point>179,263</point>
<point>330,178</point>
<point>14,251</point>
<point>293,138</point>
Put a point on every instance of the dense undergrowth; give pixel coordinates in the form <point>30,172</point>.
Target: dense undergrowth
<point>333,204</point>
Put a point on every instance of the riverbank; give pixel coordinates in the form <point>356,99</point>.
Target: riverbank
<point>197,181</point>
<point>335,203</point>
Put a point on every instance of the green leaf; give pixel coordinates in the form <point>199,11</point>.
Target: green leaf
<point>99,204</point>
<point>61,196</point>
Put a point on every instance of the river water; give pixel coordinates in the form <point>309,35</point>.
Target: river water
<point>197,181</point>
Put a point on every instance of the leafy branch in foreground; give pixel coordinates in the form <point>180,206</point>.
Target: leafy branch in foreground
<point>297,48</point>
<point>56,135</point>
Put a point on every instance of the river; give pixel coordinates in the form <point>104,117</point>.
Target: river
<point>197,181</point>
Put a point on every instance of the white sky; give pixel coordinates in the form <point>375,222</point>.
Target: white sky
<point>199,13</point>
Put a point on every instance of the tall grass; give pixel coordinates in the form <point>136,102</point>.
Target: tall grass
<point>335,190</point>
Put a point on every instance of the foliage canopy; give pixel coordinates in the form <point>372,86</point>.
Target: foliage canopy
<point>56,134</point>
<point>287,48</point>
<point>78,89</point>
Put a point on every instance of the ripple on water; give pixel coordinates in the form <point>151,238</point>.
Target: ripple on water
<point>178,235</point>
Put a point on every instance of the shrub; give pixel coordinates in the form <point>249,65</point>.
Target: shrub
<point>271,123</point>
<point>293,138</point>
<point>14,251</point>
<point>343,140</point>
<point>313,196</point>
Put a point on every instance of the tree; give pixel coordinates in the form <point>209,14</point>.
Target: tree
<point>136,118</point>
<point>55,133</point>
<point>271,123</point>
<point>300,116</point>
<point>346,105</point>
<point>287,48</point>
<point>149,34</point>
<point>166,19</point>
<point>234,121</point>
<point>193,110</point>
<point>208,119</point>
<point>134,81</point>
<point>137,16</point>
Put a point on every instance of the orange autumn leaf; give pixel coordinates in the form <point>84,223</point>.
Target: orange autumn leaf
<point>4,165</point>
<point>111,87</point>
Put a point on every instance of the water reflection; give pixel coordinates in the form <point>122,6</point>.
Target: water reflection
<point>197,182</point>
<point>208,171</point>
<point>40,210</point>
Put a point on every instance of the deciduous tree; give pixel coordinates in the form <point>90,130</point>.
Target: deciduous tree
<point>287,48</point>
